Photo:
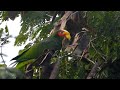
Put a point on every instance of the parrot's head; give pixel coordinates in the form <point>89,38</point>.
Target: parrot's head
<point>64,34</point>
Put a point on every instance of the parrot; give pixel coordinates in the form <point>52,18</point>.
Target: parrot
<point>53,42</point>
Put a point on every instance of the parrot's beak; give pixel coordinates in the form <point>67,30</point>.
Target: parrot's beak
<point>67,34</point>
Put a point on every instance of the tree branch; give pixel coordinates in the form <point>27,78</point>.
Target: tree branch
<point>55,70</point>
<point>93,71</point>
<point>1,55</point>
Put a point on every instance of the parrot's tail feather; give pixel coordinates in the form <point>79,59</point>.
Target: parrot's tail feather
<point>17,57</point>
<point>13,64</point>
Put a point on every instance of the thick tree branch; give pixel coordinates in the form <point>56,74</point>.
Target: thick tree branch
<point>93,71</point>
<point>62,22</point>
<point>55,70</point>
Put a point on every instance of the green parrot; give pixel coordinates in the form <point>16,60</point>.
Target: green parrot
<point>53,42</point>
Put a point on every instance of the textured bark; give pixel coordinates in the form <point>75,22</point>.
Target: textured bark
<point>46,71</point>
<point>55,70</point>
<point>93,71</point>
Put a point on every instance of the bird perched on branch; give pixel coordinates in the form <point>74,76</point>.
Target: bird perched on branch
<point>53,42</point>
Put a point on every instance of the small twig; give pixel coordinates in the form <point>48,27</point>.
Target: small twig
<point>45,58</point>
<point>29,70</point>
<point>2,56</point>
<point>82,55</point>
<point>97,51</point>
<point>90,61</point>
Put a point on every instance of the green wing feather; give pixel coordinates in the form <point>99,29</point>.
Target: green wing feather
<point>51,43</point>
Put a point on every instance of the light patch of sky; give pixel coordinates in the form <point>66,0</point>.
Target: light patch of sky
<point>9,49</point>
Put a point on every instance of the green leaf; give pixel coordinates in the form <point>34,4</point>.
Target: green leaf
<point>4,16</point>
<point>1,32</point>
<point>6,30</point>
<point>3,65</point>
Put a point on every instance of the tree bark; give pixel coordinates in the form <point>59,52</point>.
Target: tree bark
<point>93,71</point>
<point>55,70</point>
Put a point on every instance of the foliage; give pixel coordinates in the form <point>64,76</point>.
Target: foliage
<point>4,39</point>
<point>10,73</point>
<point>35,25</point>
<point>106,43</point>
<point>103,45</point>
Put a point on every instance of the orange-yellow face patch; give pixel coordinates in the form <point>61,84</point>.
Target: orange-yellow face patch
<point>64,33</point>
